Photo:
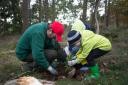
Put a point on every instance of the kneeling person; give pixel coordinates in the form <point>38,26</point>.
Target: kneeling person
<point>85,47</point>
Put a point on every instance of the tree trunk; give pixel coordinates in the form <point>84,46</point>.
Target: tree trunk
<point>40,10</point>
<point>105,15</point>
<point>53,16</point>
<point>108,14</point>
<point>46,10</point>
<point>96,11</point>
<point>92,20</point>
<point>25,13</point>
<point>84,15</point>
<point>107,10</point>
<point>117,19</point>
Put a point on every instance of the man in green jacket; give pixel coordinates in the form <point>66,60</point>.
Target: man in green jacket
<point>34,44</point>
<point>86,46</point>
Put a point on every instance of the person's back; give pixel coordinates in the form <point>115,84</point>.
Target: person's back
<point>78,25</point>
<point>97,41</point>
<point>23,47</point>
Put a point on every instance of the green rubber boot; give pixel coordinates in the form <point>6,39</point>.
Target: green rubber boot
<point>95,74</point>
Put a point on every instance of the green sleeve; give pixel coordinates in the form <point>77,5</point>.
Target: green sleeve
<point>38,50</point>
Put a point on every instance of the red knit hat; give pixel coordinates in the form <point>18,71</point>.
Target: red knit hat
<point>58,29</point>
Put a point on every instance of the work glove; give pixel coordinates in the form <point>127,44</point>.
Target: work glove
<point>52,70</point>
<point>72,62</point>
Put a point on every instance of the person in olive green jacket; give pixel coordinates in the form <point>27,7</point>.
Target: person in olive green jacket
<point>84,47</point>
<point>34,44</point>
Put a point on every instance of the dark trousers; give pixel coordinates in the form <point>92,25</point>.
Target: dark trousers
<point>50,55</point>
<point>94,54</point>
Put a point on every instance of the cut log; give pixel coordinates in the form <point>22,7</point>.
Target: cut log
<point>29,81</point>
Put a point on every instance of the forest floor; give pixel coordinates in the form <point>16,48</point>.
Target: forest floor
<point>113,66</point>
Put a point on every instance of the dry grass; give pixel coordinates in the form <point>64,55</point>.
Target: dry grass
<point>116,61</point>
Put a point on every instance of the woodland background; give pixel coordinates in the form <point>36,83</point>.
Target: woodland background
<point>17,15</point>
